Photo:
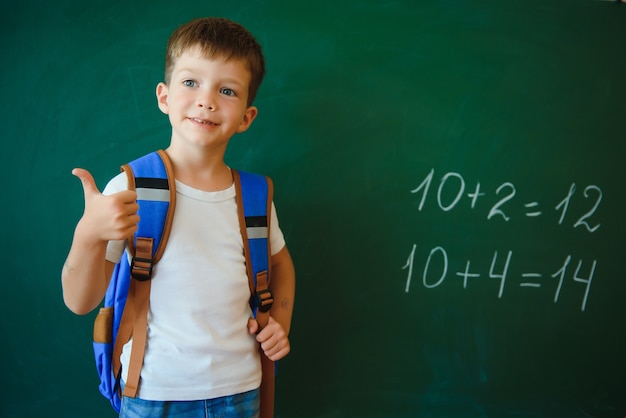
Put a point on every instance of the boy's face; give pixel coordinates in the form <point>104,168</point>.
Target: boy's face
<point>206,99</point>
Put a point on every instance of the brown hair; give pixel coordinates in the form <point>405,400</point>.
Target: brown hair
<point>219,38</point>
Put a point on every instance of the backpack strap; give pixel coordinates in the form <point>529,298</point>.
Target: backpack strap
<point>254,199</point>
<point>150,177</point>
<point>254,204</point>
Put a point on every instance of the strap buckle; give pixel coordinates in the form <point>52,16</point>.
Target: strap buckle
<point>141,268</point>
<point>263,300</point>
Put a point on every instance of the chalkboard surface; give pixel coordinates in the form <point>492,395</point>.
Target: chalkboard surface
<point>450,177</point>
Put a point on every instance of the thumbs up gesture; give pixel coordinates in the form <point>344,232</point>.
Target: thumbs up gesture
<point>105,218</point>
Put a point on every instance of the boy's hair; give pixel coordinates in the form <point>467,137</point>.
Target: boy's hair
<point>218,38</point>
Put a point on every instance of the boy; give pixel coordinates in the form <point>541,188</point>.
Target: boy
<point>202,347</point>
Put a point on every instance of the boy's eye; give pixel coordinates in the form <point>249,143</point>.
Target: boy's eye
<point>189,83</point>
<point>228,92</point>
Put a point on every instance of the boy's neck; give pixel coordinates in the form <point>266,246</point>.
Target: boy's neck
<point>200,170</point>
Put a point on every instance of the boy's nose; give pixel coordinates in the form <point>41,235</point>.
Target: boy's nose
<point>207,101</point>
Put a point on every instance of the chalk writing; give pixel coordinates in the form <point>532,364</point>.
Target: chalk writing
<point>501,203</point>
<point>435,272</point>
<point>453,184</point>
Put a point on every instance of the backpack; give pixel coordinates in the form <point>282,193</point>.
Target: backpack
<point>125,306</point>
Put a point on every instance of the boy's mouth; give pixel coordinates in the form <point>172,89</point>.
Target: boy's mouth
<point>203,121</point>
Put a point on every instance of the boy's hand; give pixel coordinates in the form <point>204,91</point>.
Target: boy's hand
<point>107,218</point>
<point>273,338</point>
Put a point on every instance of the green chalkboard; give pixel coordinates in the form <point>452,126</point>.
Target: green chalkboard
<point>449,175</point>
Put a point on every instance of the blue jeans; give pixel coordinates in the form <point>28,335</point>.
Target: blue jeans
<point>242,405</point>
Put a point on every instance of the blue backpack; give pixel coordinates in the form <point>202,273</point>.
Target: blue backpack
<point>125,307</point>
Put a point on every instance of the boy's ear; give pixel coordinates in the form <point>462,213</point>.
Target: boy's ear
<point>248,117</point>
<point>161,94</point>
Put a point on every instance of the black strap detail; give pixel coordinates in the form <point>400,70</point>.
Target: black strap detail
<point>151,183</point>
<point>263,300</point>
<point>141,268</point>
<point>256,221</point>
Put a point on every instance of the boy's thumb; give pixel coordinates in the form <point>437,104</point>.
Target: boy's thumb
<point>89,184</point>
<point>253,326</point>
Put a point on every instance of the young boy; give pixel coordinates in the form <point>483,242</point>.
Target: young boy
<point>202,345</point>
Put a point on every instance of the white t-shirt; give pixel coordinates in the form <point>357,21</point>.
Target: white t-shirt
<point>198,342</point>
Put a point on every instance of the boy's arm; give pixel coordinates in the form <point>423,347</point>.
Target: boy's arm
<point>85,277</point>
<point>283,287</point>
<point>274,338</point>
<point>86,273</point>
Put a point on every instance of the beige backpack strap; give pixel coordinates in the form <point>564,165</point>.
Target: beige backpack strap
<point>262,291</point>
<point>268,366</point>
<point>262,287</point>
<point>134,322</point>
<point>140,291</point>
